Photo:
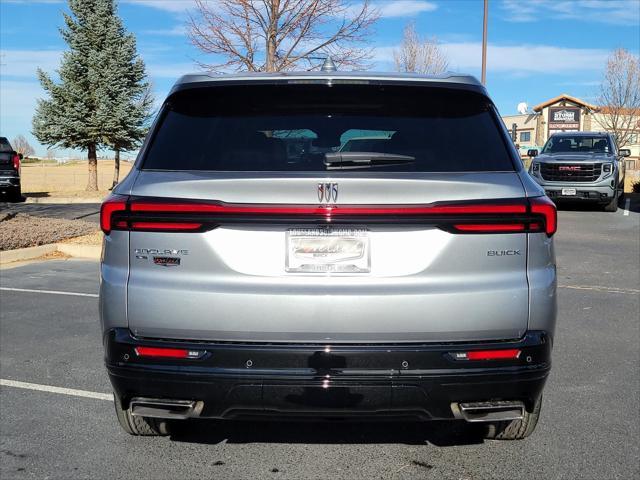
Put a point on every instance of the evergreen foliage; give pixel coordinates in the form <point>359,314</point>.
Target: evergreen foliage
<point>102,98</point>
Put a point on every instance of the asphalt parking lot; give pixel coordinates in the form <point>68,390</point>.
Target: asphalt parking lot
<point>589,428</point>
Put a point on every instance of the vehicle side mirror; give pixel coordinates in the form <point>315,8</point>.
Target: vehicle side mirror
<point>624,152</point>
<point>532,152</point>
<point>20,156</point>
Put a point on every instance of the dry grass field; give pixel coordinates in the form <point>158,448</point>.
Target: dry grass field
<point>67,178</point>
<point>70,179</point>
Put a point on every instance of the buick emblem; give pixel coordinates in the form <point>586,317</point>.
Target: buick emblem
<point>327,192</point>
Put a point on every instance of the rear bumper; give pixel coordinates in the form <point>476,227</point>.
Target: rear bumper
<point>235,380</point>
<point>9,181</point>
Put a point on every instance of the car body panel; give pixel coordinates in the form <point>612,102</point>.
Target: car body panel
<point>238,272</point>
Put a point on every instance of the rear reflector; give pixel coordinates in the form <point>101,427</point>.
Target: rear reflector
<point>511,354</point>
<point>177,226</point>
<point>158,352</point>
<point>490,227</point>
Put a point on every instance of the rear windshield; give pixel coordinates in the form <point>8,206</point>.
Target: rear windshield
<point>577,144</point>
<point>311,128</point>
<point>4,145</point>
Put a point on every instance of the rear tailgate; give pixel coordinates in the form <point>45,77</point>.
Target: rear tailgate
<point>6,163</point>
<point>424,284</point>
<point>262,252</point>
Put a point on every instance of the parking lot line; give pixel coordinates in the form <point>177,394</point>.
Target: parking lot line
<point>52,389</point>
<point>629,291</point>
<point>627,204</point>
<point>52,292</point>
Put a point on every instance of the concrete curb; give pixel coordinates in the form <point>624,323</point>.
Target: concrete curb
<point>80,251</point>
<point>19,254</point>
<point>63,200</point>
<point>92,252</point>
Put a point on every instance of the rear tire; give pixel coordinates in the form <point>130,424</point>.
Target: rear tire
<point>612,206</point>
<point>515,429</point>
<point>17,194</point>
<point>136,425</point>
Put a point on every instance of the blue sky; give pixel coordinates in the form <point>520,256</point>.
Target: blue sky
<point>537,48</point>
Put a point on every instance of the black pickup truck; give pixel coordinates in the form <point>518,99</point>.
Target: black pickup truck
<point>9,172</point>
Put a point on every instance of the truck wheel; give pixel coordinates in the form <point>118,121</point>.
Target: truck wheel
<point>136,425</point>
<point>515,429</point>
<point>612,206</point>
<point>16,195</point>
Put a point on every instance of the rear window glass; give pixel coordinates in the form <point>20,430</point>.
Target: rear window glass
<point>319,127</point>
<point>4,145</point>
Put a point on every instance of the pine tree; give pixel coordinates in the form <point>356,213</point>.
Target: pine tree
<point>101,78</point>
<point>130,100</point>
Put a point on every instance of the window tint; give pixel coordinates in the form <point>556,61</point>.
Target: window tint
<point>293,127</point>
<point>4,145</point>
<point>577,144</point>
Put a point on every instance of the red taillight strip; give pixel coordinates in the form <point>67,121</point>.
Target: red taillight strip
<point>507,354</point>
<point>165,226</point>
<point>161,352</point>
<point>326,211</point>
<point>112,204</point>
<point>545,207</point>
<point>490,227</point>
<point>539,206</point>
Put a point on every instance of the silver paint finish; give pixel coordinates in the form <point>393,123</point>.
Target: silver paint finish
<point>425,285</point>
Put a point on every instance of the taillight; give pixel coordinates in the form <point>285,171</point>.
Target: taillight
<point>112,204</point>
<point>477,217</point>
<point>161,352</point>
<point>545,208</point>
<point>16,162</point>
<point>506,354</point>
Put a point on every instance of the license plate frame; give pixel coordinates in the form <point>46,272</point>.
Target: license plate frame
<point>569,192</point>
<point>328,250</point>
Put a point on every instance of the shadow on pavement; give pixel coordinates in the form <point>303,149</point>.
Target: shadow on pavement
<point>584,206</point>
<point>439,433</point>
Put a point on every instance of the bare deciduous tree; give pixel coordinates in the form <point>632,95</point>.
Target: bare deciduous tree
<point>22,145</point>
<point>276,35</point>
<point>620,96</point>
<point>419,54</point>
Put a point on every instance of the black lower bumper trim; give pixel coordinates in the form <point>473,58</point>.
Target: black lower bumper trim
<point>236,380</point>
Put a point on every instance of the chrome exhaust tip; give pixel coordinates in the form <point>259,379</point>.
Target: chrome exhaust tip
<point>497,411</point>
<point>165,408</point>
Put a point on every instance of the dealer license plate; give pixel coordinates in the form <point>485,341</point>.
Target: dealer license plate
<point>568,191</point>
<point>328,250</point>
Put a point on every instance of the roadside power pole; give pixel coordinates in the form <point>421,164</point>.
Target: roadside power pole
<point>484,42</point>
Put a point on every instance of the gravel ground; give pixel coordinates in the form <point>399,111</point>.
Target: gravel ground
<point>20,230</point>
<point>94,238</point>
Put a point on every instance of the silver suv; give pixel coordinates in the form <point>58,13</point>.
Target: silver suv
<point>253,266</point>
<point>585,166</point>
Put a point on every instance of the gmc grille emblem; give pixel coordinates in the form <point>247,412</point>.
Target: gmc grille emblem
<point>327,192</point>
<point>570,169</point>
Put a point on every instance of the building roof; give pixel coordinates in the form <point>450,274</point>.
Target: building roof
<point>561,97</point>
